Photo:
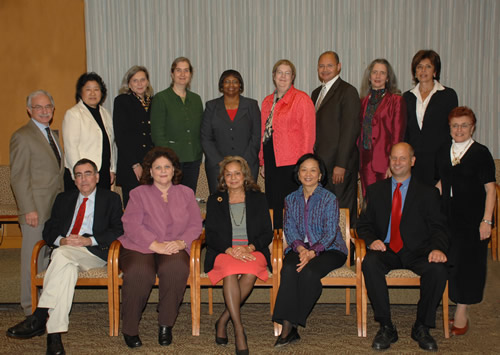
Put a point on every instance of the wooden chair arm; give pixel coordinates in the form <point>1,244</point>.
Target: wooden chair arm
<point>360,246</point>
<point>34,257</point>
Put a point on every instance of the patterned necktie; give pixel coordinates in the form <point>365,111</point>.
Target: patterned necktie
<point>79,217</point>
<point>320,98</point>
<point>396,242</point>
<point>53,146</point>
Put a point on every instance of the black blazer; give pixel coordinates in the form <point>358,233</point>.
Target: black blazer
<point>107,219</point>
<point>337,127</point>
<point>132,128</point>
<point>219,231</point>
<point>221,137</point>
<point>423,227</point>
<point>435,131</point>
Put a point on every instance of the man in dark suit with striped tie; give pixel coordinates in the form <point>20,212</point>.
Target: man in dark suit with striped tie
<point>82,226</point>
<point>404,228</point>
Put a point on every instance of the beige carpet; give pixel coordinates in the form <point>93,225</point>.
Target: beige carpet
<point>329,330</point>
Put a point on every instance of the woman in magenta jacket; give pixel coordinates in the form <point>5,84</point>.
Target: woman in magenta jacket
<point>288,132</point>
<point>383,121</point>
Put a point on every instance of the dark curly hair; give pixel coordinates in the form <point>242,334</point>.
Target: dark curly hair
<point>150,158</point>
<point>248,184</point>
<point>86,77</point>
<point>234,73</point>
<point>321,164</point>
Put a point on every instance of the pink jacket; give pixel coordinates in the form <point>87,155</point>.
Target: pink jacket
<point>294,126</point>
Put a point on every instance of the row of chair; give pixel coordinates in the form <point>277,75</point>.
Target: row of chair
<point>348,276</point>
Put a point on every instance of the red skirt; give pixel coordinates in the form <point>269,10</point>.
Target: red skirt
<point>226,265</point>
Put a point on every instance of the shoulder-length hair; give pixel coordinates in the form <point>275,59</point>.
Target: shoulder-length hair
<point>391,85</point>
<point>125,89</point>
<point>234,73</point>
<point>426,54</point>
<point>174,65</point>
<point>248,183</point>
<point>150,158</point>
<point>321,164</point>
<point>86,77</point>
<point>284,62</point>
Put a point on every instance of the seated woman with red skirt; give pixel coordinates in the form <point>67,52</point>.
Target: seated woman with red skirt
<point>238,233</point>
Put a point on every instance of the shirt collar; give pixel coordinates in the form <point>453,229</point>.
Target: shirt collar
<point>437,87</point>
<point>404,183</point>
<point>330,83</point>
<point>40,125</point>
<point>91,197</point>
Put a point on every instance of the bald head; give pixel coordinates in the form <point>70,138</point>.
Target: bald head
<point>401,159</point>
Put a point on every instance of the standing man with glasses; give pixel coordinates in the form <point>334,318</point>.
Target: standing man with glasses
<point>36,176</point>
<point>337,106</point>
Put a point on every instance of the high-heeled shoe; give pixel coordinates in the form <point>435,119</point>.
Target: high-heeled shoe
<point>219,340</point>
<point>460,331</point>
<point>244,351</point>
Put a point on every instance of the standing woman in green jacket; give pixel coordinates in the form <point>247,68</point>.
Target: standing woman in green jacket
<point>176,115</point>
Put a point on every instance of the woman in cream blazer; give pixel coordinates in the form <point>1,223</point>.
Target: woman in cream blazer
<point>83,128</point>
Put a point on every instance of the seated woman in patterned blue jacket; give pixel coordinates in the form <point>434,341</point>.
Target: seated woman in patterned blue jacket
<point>315,247</point>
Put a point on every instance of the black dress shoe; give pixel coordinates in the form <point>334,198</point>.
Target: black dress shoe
<point>164,335</point>
<point>54,344</point>
<point>420,333</point>
<point>386,335</point>
<point>293,336</point>
<point>132,341</point>
<point>219,340</point>
<point>28,328</point>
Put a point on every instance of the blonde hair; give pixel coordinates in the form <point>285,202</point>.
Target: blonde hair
<point>125,89</point>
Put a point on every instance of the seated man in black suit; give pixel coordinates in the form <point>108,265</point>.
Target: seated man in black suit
<point>404,229</point>
<point>82,225</point>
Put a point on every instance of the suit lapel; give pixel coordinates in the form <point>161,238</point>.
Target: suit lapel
<point>241,109</point>
<point>386,203</point>
<point>330,93</point>
<point>221,110</point>
<point>410,197</point>
<point>42,141</point>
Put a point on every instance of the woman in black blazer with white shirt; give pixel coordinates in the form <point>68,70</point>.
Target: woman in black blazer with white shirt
<point>230,126</point>
<point>428,105</point>
<point>132,127</point>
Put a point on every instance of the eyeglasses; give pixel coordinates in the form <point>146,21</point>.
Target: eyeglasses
<point>40,108</point>
<point>84,174</point>
<point>288,74</point>
<point>463,126</point>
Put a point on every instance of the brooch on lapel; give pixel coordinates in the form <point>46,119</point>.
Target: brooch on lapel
<point>219,199</point>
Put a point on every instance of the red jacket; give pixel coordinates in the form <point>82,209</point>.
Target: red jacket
<point>294,126</point>
<point>388,128</point>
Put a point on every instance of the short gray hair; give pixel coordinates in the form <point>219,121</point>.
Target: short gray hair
<point>36,93</point>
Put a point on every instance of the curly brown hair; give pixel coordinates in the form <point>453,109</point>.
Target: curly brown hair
<point>248,184</point>
<point>150,158</point>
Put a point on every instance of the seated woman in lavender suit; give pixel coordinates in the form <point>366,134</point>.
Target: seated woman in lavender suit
<point>161,221</point>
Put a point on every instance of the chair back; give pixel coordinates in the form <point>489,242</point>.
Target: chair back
<point>346,231</point>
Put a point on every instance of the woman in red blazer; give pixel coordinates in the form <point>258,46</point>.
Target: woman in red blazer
<point>288,132</point>
<point>383,121</point>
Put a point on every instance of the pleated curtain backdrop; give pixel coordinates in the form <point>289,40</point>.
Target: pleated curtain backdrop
<point>251,35</point>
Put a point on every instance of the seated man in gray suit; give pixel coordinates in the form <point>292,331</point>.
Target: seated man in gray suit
<point>404,229</point>
<point>82,226</point>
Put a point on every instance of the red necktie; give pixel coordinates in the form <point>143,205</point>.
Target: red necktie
<point>79,217</point>
<point>396,242</point>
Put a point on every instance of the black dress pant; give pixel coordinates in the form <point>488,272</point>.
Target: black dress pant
<point>299,291</point>
<point>433,278</point>
<point>190,172</point>
<point>139,275</point>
